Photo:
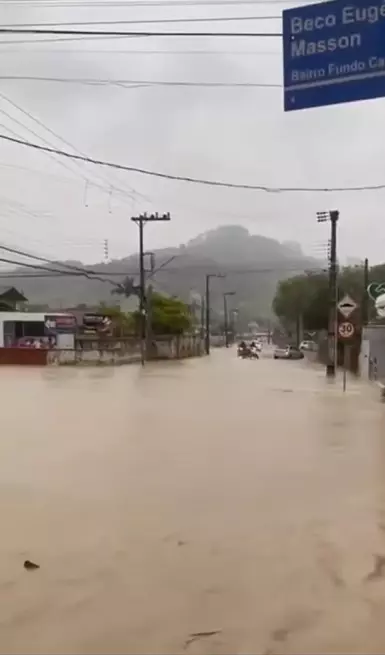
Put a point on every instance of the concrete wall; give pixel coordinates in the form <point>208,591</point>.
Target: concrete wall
<point>91,357</point>
<point>128,352</point>
<point>23,357</point>
<point>113,353</point>
<point>372,356</point>
<point>177,347</point>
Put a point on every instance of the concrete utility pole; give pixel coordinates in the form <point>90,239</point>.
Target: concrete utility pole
<point>333,217</point>
<point>207,332</point>
<point>226,315</point>
<point>148,296</point>
<point>141,222</point>
<point>149,322</point>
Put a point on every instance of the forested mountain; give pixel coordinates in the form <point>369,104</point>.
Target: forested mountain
<point>252,264</point>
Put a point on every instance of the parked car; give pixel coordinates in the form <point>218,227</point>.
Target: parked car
<point>288,352</point>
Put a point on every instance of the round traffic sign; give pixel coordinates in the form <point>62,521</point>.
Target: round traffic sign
<point>346,330</point>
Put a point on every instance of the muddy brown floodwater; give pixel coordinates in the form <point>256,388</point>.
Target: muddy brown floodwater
<point>205,506</point>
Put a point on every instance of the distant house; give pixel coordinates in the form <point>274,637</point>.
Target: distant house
<point>11,300</point>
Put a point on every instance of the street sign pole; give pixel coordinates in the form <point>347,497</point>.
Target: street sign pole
<point>334,52</point>
<point>345,367</point>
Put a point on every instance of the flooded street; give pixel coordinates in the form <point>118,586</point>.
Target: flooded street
<point>241,498</point>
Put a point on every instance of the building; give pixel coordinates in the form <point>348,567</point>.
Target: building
<point>23,329</point>
<point>11,299</point>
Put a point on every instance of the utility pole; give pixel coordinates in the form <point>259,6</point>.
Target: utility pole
<point>207,332</point>
<point>333,217</point>
<point>148,295</point>
<point>226,315</point>
<point>149,322</point>
<point>365,297</point>
<point>202,318</point>
<point>141,222</point>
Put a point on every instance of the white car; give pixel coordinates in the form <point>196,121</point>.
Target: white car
<point>288,352</point>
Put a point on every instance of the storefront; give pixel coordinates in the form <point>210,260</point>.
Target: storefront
<point>37,330</point>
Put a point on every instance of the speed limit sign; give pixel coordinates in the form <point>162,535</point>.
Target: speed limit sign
<point>346,330</point>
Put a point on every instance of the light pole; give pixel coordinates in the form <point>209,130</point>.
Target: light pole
<point>141,222</point>
<point>207,333</point>
<point>333,217</point>
<point>226,315</point>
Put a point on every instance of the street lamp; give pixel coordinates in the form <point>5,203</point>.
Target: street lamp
<point>226,295</point>
<point>207,334</point>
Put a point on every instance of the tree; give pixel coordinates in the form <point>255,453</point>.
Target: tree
<point>306,296</point>
<point>169,315</point>
<point>126,288</point>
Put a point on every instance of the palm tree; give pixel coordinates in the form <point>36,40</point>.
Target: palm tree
<point>126,288</point>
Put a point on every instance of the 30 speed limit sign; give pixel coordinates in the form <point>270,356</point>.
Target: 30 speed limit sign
<point>346,330</point>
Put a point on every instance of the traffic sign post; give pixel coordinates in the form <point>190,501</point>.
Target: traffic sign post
<point>346,330</point>
<point>347,306</point>
<point>346,358</point>
<point>334,52</point>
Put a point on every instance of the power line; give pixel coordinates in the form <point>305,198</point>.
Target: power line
<point>245,53</point>
<point>58,272</point>
<point>73,269</point>
<point>145,3</point>
<point>213,19</point>
<point>195,180</point>
<point>51,32</point>
<point>67,39</point>
<point>34,266</point>
<point>25,127</point>
<point>242,271</point>
<point>130,84</point>
<point>46,272</point>
<point>108,189</point>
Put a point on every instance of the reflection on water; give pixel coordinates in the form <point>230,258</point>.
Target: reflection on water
<point>243,501</point>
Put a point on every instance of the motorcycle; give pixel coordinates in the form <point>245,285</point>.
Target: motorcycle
<point>247,353</point>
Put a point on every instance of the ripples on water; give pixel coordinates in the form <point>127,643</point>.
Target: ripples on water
<point>244,499</point>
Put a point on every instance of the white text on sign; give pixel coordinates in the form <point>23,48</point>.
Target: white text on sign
<point>346,16</point>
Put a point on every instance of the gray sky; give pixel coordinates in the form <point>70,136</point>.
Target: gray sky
<point>236,135</point>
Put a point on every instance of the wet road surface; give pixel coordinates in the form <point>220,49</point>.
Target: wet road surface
<point>206,506</point>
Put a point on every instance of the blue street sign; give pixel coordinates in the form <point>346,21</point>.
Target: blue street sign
<point>333,52</point>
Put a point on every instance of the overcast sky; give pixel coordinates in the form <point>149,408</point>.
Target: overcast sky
<point>236,135</point>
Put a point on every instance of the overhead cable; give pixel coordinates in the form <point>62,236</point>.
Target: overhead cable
<point>51,32</point>
<point>132,84</point>
<point>46,272</point>
<point>110,186</point>
<point>101,51</point>
<point>74,270</point>
<point>194,180</point>
<point>64,39</point>
<point>52,4</point>
<point>214,19</point>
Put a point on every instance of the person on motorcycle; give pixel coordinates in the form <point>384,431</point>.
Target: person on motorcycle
<point>241,348</point>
